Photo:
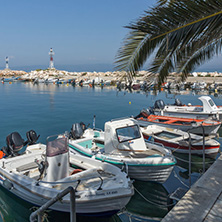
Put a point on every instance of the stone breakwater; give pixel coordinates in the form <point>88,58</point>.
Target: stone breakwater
<point>112,76</point>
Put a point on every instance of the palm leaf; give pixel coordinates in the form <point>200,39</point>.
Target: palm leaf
<point>173,31</point>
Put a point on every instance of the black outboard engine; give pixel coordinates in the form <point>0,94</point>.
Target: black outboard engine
<point>76,131</point>
<point>14,144</point>
<point>178,102</point>
<point>159,104</point>
<point>31,137</point>
<point>145,113</point>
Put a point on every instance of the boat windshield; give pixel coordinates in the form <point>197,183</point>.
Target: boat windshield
<point>128,133</point>
<point>56,147</point>
<point>211,102</point>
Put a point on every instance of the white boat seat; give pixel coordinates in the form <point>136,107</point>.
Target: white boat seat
<point>27,166</point>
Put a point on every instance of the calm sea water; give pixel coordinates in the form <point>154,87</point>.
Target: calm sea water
<point>52,109</point>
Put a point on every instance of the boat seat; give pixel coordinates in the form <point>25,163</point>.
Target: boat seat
<point>27,166</point>
<point>144,154</point>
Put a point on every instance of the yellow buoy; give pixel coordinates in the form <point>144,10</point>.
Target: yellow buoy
<point>129,102</point>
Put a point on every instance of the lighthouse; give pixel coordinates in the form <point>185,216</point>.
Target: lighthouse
<point>6,62</point>
<point>51,63</point>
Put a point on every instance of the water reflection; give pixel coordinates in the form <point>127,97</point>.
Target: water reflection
<point>150,201</point>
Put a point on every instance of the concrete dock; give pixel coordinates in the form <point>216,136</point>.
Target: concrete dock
<point>203,202</point>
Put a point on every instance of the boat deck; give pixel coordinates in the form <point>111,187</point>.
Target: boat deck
<point>203,202</point>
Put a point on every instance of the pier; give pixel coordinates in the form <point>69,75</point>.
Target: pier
<point>203,202</point>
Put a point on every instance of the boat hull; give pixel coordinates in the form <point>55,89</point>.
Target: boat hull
<point>210,150</point>
<point>208,129</point>
<point>101,189</point>
<point>194,115</point>
<point>154,168</point>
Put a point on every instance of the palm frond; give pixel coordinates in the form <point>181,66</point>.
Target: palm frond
<point>174,31</point>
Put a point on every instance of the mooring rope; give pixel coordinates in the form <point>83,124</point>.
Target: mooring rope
<point>149,201</point>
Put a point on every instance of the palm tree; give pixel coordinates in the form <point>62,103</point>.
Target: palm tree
<point>181,34</point>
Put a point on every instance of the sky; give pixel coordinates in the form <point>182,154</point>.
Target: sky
<point>84,34</point>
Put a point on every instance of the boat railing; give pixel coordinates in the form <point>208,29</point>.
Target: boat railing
<point>39,213</point>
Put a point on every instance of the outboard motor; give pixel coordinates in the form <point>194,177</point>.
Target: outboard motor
<point>76,131</point>
<point>32,137</point>
<point>159,104</point>
<point>14,144</point>
<point>178,102</point>
<point>145,113</point>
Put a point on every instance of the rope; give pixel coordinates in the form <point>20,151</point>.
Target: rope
<point>175,175</point>
<point>149,201</point>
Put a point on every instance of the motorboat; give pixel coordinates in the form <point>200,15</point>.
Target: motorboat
<point>178,140</point>
<point>207,110</point>
<point>40,172</point>
<point>122,144</point>
<point>196,126</point>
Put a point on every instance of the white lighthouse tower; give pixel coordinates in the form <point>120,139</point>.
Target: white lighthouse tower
<point>6,63</point>
<point>51,63</point>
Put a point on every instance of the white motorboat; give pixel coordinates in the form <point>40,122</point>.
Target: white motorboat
<point>178,140</point>
<point>207,110</point>
<point>42,171</point>
<point>123,145</point>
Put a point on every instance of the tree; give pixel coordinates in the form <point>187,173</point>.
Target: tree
<point>181,34</point>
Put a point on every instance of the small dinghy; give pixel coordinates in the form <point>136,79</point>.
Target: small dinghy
<point>207,110</point>
<point>123,145</point>
<point>178,140</point>
<point>42,171</point>
<point>196,126</point>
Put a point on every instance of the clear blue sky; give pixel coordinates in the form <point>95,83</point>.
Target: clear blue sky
<point>80,32</point>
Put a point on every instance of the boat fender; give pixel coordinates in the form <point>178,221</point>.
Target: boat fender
<point>75,171</point>
<point>2,154</point>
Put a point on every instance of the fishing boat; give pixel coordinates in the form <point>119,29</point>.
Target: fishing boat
<point>196,126</point>
<point>207,110</point>
<point>178,140</point>
<point>122,144</point>
<point>42,171</point>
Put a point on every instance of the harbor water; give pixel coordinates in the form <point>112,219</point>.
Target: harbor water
<point>52,109</point>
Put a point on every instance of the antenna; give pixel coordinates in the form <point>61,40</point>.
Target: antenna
<point>94,121</point>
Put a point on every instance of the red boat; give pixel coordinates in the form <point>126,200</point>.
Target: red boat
<point>178,141</point>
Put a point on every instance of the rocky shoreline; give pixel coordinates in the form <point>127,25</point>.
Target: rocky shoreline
<point>111,76</point>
